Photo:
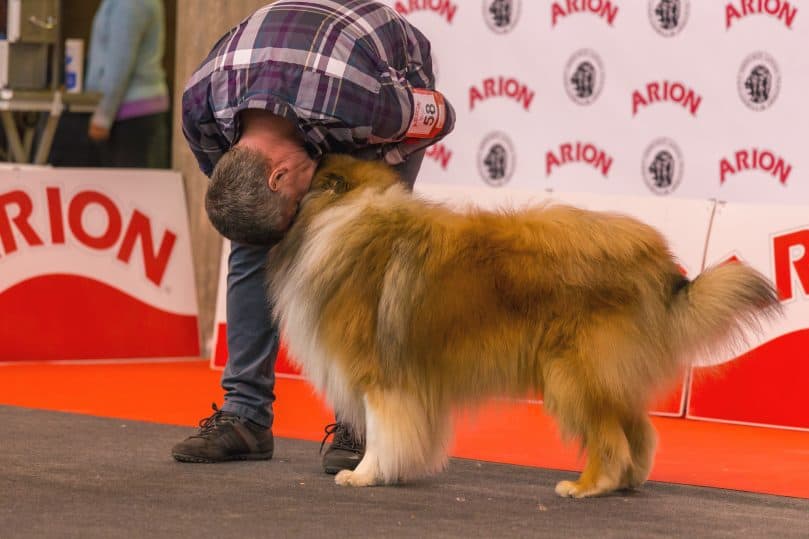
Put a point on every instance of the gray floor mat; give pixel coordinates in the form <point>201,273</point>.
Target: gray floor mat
<point>67,475</point>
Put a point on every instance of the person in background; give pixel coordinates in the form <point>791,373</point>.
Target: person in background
<point>292,82</point>
<point>130,126</point>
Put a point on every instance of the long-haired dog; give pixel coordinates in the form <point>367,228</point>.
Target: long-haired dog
<point>399,310</point>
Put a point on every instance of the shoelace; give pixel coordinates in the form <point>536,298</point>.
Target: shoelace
<point>208,425</point>
<point>343,437</point>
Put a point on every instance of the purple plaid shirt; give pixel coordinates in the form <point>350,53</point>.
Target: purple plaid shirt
<point>341,70</point>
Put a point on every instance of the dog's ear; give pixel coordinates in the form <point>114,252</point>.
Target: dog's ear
<point>330,174</point>
<point>334,182</point>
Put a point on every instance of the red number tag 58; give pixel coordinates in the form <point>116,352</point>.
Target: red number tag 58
<point>429,113</point>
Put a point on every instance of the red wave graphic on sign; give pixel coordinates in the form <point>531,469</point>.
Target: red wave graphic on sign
<point>766,386</point>
<point>73,317</point>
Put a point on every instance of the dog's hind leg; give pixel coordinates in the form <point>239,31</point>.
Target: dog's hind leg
<point>608,457</point>
<point>599,427</point>
<point>401,441</point>
<point>642,442</point>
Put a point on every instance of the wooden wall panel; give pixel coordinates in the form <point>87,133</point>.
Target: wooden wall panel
<point>200,23</point>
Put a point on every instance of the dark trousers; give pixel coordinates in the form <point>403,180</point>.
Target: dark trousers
<point>141,142</point>
<point>249,376</point>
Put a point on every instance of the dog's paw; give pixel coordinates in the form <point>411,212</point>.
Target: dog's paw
<point>579,489</point>
<point>632,479</point>
<point>573,489</point>
<point>348,478</point>
<point>566,489</point>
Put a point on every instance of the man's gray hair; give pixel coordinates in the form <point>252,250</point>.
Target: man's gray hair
<point>239,201</point>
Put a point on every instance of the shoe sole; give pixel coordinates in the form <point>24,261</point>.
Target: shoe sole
<point>332,469</point>
<point>179,457</point>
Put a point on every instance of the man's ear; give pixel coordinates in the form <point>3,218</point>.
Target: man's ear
<point>277,177</point>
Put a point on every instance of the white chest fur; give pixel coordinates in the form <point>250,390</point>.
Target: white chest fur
<point>297,299</point>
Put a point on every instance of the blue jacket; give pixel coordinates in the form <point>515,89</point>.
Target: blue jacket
<point>125,60</point>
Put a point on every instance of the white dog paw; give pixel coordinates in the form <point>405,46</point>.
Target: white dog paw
<point>348,478</point>
<point>572,489</point>
<point>575,489</point>
<point>566,489</point>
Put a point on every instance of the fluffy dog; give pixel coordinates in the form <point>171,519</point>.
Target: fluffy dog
<point>399,310</point>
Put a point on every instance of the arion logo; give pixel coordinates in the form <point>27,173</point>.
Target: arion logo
<point>578,152</point>
<point>508,87</point>
<point>604,9</point>
<point>666,91</point>
<point>446,9</point>
<point>662,166</point>
<point>780,9</point>
<point>668,17</point>
<point>496,159</point>
<point>759,81</point>
<point>501,16</point>
<point>91,218</point>
<point>584,76</point>
<point>760,159</point>
<point>439,153</point>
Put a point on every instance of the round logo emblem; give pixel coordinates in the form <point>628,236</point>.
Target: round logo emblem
<point>496,159</point>
<point>668,17</point>
<point>584,76</point>
<point>759,81</point>
<point>662,166</point>
<point>501,15</point>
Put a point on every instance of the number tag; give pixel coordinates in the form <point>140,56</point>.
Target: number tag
<point>429,113</point>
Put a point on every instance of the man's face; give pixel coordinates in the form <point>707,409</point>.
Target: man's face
<point>293,178</point>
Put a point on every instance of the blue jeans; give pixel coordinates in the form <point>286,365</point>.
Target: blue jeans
<point>249,376</point>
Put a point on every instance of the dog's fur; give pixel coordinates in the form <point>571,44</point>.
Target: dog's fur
<point>399,310</point>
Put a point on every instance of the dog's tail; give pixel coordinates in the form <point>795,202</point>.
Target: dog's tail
<point>712,314</point>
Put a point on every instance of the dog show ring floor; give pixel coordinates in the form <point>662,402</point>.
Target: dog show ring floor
<point>86,453</point>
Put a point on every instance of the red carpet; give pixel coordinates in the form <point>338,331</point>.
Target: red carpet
<point>753,459</point>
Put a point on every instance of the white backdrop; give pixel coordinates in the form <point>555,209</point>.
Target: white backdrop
<point>710,95</point>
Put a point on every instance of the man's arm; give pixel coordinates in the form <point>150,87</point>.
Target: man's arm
<point>432,119</point>
<point>199,126</point>
<point>429,113</point>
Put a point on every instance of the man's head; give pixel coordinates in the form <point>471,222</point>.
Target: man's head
<point>257,185</point>
<point>239,201</point>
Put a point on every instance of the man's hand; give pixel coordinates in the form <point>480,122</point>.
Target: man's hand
<point>98,133</point>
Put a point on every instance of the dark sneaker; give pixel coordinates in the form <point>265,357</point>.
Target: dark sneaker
<point>345,451</point>
<point>224,436</point>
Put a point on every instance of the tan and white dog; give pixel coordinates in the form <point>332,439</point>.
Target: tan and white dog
<point>399,310</point>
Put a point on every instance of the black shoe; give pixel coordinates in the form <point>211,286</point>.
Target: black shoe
<point>346,450</point>
<point>225,436</point>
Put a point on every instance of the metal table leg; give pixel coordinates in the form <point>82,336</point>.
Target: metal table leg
<point>18,153</point>
<point>46,138</point>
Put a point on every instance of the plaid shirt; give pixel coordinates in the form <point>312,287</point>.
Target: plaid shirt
<point>341,70</point>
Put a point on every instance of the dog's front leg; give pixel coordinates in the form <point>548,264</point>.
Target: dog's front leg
<point>367,473</point>
<point>402,440</point>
